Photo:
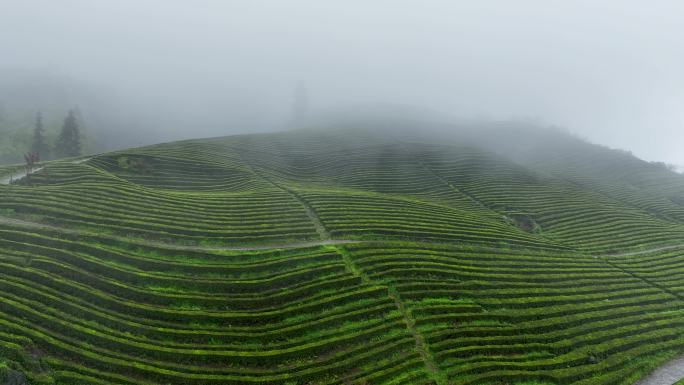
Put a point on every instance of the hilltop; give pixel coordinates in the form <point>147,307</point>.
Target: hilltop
<point>525,187</point>
<point>395,253</point>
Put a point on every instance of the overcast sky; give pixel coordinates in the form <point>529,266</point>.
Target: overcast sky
<point>611,71</point>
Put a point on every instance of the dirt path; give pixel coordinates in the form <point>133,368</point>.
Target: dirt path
<point>313,217</point>
<point>310,212</point>
<point>166,245</point>
<point>647,251</point>
<point>421,346</point>
<point>22,174</point>
<point>667,374</point>
<point>291,245</point>
<point>79,161</point>
<point>17,176</point>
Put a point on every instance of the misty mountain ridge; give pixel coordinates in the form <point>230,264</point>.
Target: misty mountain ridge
<point>112,120</point>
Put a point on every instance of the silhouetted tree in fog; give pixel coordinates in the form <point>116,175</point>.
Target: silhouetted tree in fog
<point>69,140</point>
<point>39,146</point>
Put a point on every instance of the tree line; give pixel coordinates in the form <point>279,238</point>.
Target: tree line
<point>67,144</point>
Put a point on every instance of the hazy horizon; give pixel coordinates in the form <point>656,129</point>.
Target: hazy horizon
<point>609,71</point>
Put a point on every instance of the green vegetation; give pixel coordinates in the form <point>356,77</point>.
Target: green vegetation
<point>52,138</point>
<point>68,142</point>
<point>39,145</point>
<point>463,267</point>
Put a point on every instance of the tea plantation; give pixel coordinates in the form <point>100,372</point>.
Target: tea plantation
<point>341,257</point>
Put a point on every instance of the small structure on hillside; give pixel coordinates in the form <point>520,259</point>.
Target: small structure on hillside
<point>31,158</point>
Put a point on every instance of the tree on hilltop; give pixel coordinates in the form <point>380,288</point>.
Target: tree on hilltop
<point>69,140</point>
<point>39,146</point>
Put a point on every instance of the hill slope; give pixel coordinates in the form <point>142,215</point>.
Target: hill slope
<point>214,262</point>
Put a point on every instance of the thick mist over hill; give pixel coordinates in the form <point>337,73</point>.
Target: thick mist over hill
<point>150,71</point>
<point>112,119</point>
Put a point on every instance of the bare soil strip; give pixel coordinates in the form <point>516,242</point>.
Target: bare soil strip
<point>291,245</point>
<point>668,374</point>
<point>647,251</point>
<point>420,341</point>
<point>22,174</point>
<point>17,176</point>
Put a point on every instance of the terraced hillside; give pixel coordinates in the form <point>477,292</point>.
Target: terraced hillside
<point>340,257</point>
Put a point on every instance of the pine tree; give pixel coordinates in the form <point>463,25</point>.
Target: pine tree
<point>39,145</point>
<point>69,140</point>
